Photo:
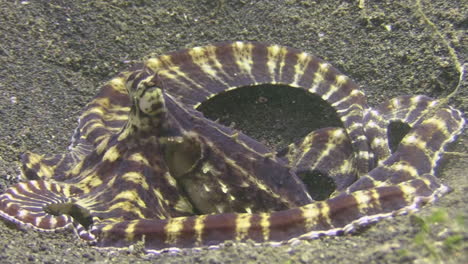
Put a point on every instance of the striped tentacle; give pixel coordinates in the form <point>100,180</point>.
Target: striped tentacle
<point>405,109</point>
<point>197,74</point>
<point>419,151</point>
<point>133,162</point>
<point>38,166</point>
<point>339,215</point>
<point>326,152</point>
<point>105,114</point>
<point>35,204</point>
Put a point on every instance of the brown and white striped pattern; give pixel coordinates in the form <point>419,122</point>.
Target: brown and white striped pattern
<point>145,165</point>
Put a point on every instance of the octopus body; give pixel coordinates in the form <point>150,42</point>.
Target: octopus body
<point>145,165</point>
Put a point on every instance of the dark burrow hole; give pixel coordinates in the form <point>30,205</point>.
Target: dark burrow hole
<point>276,115</point>
<point>318,184</point>
<point>79,214</point>
<point>395,132</point>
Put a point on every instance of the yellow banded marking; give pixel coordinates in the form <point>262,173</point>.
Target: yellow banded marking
<point>394,103</point>
<point>89,182</point>
<point>170,179</point>
<point>107,228</point>
<point>118,84</point>
<point>271,60</point>
<point>303,60</point>
<point>341,80</point>
<point>363,201</point>
<point>130,231</point>
<point>224,188</point>
<point>248,176</point>
<point>243,56</point>
<point>173,228</point>
<point>404,166</point>
<point>265,224</point>
<point>138,157</point>
<point>242,226</point>
<point>306,146</point>
<point>132,197</point>
<point>161,201</point>
<point>136,178</point>
<point>182,205</point>
<point>408,192</point>
<point>331,90</point>
<point>276,57</point>
<point>198,227</point>
<point>102,146</point>
<point>259,184</point>
<point>376,198</point>
<point>337,137</point>
<point>64,189</point>
<point>440,125</point>
<point>164,66</point>
<point>106,110</point>
<point>413,140</point>
<point>128,207</point>
<point>319,76</point>
<point>35,184</point>
<point>113,116</point>
<point>44,170</point>
<point>324,67</point>
<point>202,56</point>
<point>101,138</point>
<point>100,108</point>
<point>325,213</point>
<point>346,166</point>
<point>310,214</point>
<point>155,64</point>
<point>112,154</point>
<point>92,126</point>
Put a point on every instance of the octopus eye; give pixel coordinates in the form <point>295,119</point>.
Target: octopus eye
<point>151,101</point>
